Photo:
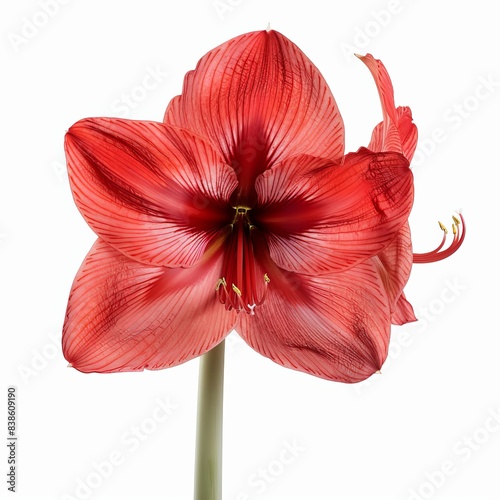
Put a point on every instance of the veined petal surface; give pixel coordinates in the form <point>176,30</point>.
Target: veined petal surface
<point>258,99</point>
<point>403,312</point>
<point>394,265</point>
<point>123,315</point>
<point>156,193</point>
<point>320,217</point>
<point>334,326</point>
<point>396,132</point>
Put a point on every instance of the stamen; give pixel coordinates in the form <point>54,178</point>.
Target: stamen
<point>222,282</point>
<point>222,292</point>
<point>240,267</point>
<point>458,230</point>
<point>266,281</point>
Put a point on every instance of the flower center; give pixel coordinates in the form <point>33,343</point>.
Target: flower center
<point>240,287</point>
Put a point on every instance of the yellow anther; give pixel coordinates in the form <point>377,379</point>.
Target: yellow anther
<point>222,282</point>
<point>455,220</point>
<point>454,228</point>
<point>443,227</point>
<point>266,278</point>
<point>236,290</point>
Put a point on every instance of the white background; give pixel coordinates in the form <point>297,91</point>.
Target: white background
<point>433,407</point>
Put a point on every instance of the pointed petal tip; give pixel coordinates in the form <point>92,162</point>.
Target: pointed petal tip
<point>70,133</point>
<point>365,57</point>
<point>78,126</point>
<point>79,131</point>
<point>264,73</point>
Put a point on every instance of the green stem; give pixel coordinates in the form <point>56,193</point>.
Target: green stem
<point>208,461</point>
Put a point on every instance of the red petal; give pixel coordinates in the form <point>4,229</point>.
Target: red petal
<point>396,132</point>
<point>259,99</point>
<point>403,312</point>
<point>321,218</point>
<point>394,265</point>
<point>125,316</point>
<point>156,193</point>
<point>408,133</point>
<point>335,326</point>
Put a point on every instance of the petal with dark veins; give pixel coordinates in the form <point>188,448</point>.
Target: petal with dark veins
<point>158,194</point>
<point>126,316</point>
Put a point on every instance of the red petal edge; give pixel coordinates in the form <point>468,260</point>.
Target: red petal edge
<point>158,194</point>
<point>321,218</point>
<point>334,326</point>
<point>125,316</point>
<point>396,132</point>
<point>258,99</point>
<point>394,265</point>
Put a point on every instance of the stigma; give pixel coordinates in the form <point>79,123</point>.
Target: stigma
<point>458,231</point>
<point>242,286</point>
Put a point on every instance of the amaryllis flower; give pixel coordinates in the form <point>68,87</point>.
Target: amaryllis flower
<point>241,211</point>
